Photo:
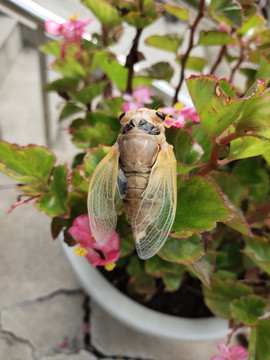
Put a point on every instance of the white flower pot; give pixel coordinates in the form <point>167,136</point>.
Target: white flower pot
<point>138,316</point>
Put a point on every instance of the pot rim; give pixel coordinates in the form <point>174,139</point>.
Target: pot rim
<point>136,315</point>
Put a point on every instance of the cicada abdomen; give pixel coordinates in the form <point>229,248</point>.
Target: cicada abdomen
<point>142,167</point>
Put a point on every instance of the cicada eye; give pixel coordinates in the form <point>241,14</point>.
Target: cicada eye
<point>122,115</point>
<point>161,115</point>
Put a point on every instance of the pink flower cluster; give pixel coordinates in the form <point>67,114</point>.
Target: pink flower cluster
<point>71,31</point>
<point>235,352</point>
<point>178,114</point>
<point>81,232</point>
<point>137,99</point>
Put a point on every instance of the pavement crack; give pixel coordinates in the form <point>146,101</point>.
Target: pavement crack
<point>88,339</point>
<point>40,299</point>
<point>11,338</point>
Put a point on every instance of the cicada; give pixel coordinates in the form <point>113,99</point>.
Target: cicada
<point>140,169</point>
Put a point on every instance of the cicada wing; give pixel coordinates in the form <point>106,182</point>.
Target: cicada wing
<point>101,197</point>
<point>154,217</point>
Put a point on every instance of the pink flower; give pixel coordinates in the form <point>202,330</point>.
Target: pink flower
<point>178,114</point>
<point>81,232</point>
<point>235,352</point>
<point>139,97</point>
<point>71,31</point>
<point>178,123</point>
<point>223,27</point>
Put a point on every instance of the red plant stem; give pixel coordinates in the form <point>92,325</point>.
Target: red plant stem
<point>213,161</point>
<point>226,139</point>
<point>237,65</point>
<point>214,157</point>
<point>219,58</point>
<point>190,47</point>
<point>220,55</point>
<point>22,202</point>
<point>232,332</point>
<point>132,59</point>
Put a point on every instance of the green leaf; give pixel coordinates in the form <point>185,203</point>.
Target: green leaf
<point>186,149</point>
<point>111,107</point>
<point>123,229</point>
<point>199,206</point>
<point>252,344</point>
<point>169,42</point>
<point>142,283</point>
<point>70,67</point>
<point>248,309</point>
<point>182,251</point>
<point>85,136</point>
<point>52,48</point>
<point>263,71</point>
<point>183,169</point>
<point>258,249</point>
<point>27,164</point>
<point>172,281</point>
<point>54,203</point>
<point>68,110</point>
<point>248,146</point>
<point>255,115</point>
<point>230,258</point>
<point>202,138</point>
<point>214,37</point>
<point>77,182</point>
<point>251,23</point>
<point>216,109</point>
<point>251,173</point>
<point>140,18</point>
<point>134,266</point>
<point>104,11</point>
<point>182,14</point>
<point>87,94</point>
<point>77,202</point>
<point>204,268</point>
<point>230,185</point>
<point>239,221</point>
<point>226,11</point>
<point>218,299</point>
<point>195,63</point>
<point>262,347</point>
<point>161,70</point>
<point>63,85</point>
<point>116,72</point>
<point>93,158</point>
<point>170,273</point>
<point>139,81</point>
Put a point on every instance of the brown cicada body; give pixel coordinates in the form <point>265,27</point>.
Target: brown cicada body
<point>141,168</point>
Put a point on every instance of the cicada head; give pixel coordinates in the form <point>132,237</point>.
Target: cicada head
<point>146,120</point>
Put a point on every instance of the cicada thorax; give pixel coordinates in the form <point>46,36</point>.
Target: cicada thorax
<point>139,144</point>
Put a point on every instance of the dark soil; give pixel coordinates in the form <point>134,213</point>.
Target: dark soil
<point>185,302</point>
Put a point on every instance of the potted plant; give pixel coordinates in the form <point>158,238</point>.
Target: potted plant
<point>217,252</point>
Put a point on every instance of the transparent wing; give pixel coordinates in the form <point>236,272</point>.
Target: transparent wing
<point>153,220</point>
<point>101,197</point>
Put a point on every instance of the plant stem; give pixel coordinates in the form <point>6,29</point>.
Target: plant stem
<point>190,47</point>
<point>237,65</point>
<point>214,157</point>
<point>229,338</point>
<point>213,161</point>
<point>219,58</point>
<point>132,59</point>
